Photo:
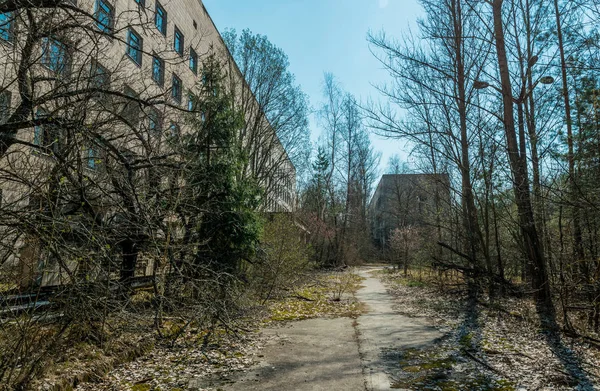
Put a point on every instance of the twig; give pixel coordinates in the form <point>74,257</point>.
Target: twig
<point>302,297</point>
<point>488,366</point>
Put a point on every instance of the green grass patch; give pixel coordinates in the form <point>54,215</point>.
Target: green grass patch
<point>330,294</point>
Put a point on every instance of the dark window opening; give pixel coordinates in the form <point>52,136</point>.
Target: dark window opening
<point>46,136</point>
<point>131,108</point>
<point>174,130</point>
<point>93,158</point>
<point>100,80</point>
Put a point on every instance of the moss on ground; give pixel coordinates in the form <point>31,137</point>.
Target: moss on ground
<point>433,369</point>
<point>332,294</point>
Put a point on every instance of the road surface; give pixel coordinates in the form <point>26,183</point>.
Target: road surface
<point>340,353</point>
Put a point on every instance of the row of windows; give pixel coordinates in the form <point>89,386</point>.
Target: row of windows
<point>48,136</point>
<point>105,15</point>
<point>135,48</point>
<point>56,53</point>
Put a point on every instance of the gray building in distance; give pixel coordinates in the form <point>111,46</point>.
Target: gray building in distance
<point>402,200</point>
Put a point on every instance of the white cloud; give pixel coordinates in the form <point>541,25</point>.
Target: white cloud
<point>383,3</point>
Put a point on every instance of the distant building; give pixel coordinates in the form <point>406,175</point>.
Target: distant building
<point>402,200</point>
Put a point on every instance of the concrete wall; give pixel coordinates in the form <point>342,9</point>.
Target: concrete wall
<point>402,200</point>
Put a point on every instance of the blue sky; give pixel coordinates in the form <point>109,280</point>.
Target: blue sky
<point>325,36</point>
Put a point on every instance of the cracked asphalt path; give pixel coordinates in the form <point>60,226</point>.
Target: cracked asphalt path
<point>339,354</point>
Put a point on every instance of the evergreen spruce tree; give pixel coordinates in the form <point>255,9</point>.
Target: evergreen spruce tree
<point>227,227</point>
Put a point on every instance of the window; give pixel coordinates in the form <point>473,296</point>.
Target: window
<point>100,76</point>
<point>176,89</point>
<point>55,56</point>
<point>154,121</point>
<point>134,46</point>
<point>158,70</point>
<point>131,108</point>
<point>174,130</point>
<point>6,26</point>
<point>141,3</point>
<point>193,61</point>
<point>160,19</point>
<point>191,102</point>
<point>46,136</point>
<point>105,16</point>
<point>92,158</point>
<point>178,42</point>
<point>4,106</point>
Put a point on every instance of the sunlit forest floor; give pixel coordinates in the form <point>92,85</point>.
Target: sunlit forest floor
<point>499,340</point>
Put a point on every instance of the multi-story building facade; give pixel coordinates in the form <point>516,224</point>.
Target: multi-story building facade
<point>408,200</point>
<point>114,80</point>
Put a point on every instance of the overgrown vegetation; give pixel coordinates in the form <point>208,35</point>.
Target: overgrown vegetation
<point>129,217</point>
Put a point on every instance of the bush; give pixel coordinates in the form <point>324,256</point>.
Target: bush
<point>283,259</point>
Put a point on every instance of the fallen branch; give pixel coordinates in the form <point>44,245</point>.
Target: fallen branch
<point>303,298</point>
<point>479,361</point>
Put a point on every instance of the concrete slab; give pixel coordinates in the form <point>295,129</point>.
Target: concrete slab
<point>383,333</point>
<point>309,355</point>
<point>339,354</point>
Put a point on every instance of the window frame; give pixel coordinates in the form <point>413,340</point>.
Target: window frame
<point>54,64</point>
<point>193,62</point>
<point>109,28</point>
<point>174,129</point>
<point>192,103</point>
<point>7,34</point>
<point>176,93</point>
<point>158,7</point>
<point>41,134</point>
<point>138,50</point>
<point>179,50</point>
<point>92,156</point>
<point>156,59</point>
<point>131,105</point>
<point>155,116</point>
<point>100,80</point>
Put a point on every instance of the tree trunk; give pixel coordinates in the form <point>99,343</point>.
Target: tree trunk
<point>577,236</point>
<point>531,241</point>
<point>128,263</point>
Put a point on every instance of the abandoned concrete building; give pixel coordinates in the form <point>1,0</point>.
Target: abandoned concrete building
<point>402,200</point>
<point>146,51</point>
